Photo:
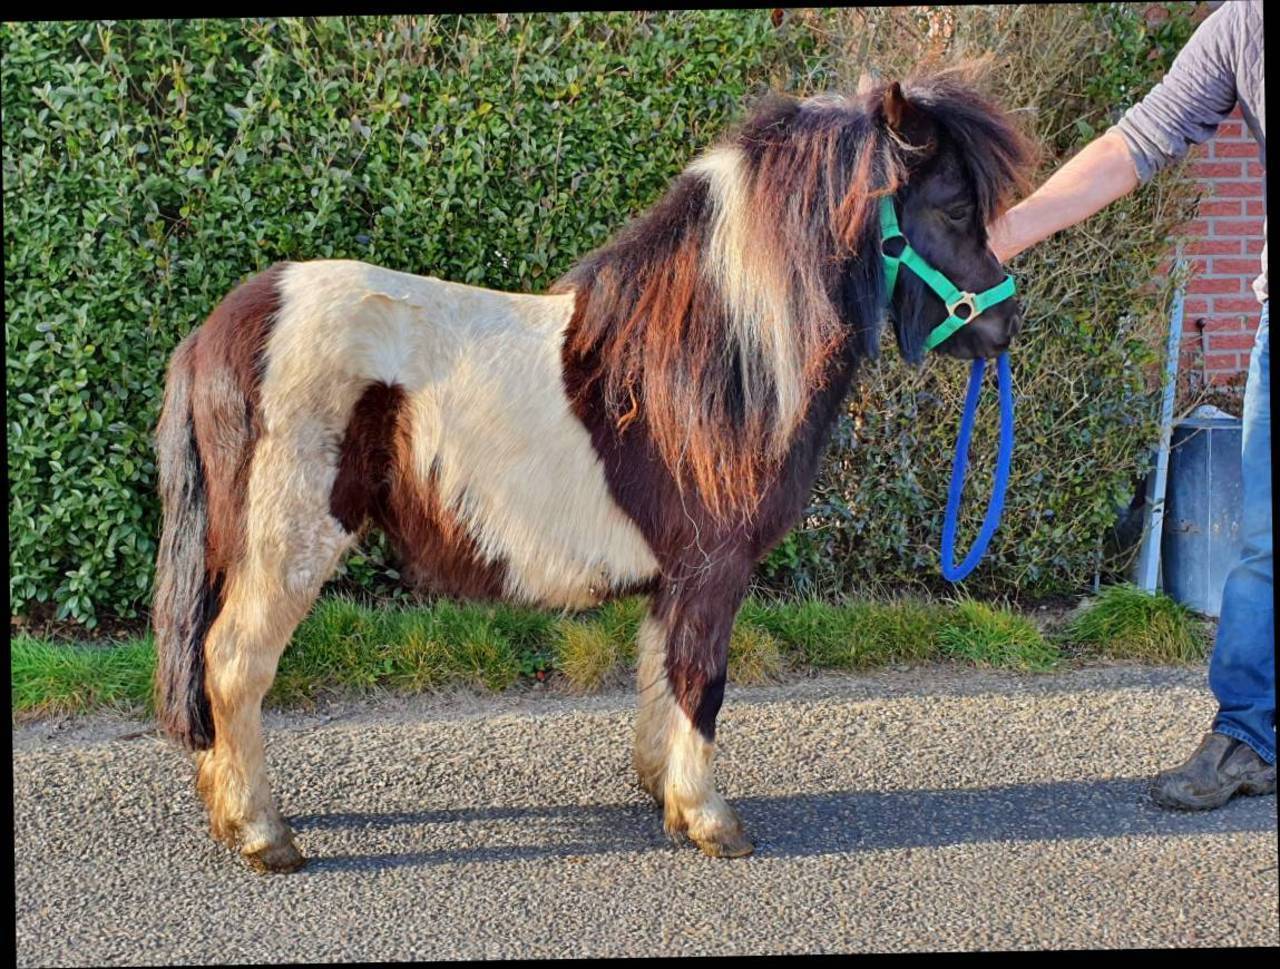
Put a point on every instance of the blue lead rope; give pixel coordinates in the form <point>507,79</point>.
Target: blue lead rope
<point>950,571</point>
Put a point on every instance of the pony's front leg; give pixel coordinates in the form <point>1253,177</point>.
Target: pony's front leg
<point>683,660</point>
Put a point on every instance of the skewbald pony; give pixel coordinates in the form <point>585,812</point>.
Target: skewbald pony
<point>651,427</point>
<point>716,313</point>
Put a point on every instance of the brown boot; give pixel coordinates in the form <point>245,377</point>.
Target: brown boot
<point>1221,768</point>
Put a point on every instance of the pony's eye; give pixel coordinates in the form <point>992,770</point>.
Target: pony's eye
<point>958,215</point>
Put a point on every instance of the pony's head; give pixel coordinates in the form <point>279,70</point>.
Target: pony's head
<point>957,162</point>
<point>718,314</point>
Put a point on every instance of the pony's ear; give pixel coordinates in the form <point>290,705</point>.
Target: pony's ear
<point>909,123</point>
<point>896,106</point>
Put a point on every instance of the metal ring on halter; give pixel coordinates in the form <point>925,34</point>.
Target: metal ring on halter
<point>965,299</point>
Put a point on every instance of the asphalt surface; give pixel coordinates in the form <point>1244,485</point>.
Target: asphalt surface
<point>911,810</point>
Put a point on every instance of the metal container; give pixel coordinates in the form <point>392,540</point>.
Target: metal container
<point>1200,541</point>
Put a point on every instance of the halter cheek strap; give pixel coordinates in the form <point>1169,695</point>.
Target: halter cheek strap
<point>956,300</point>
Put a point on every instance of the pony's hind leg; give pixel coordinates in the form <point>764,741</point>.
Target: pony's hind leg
<point>292,546</point>
<point>241,653</point>
<point>680,681</point>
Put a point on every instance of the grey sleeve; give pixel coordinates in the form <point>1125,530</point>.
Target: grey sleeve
<point>1195,96</point>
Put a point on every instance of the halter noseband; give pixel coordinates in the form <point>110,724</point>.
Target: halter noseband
<point>955,300</point>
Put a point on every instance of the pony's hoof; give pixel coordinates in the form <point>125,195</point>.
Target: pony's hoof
<point>728,844</point>
<point>277,858</point>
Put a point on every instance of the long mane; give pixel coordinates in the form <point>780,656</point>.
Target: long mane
<point>714,317</point>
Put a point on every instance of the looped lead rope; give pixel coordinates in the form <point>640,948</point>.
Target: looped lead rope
<point>995,507</point>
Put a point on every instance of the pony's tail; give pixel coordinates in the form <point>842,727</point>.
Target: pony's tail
<point>186,601</point>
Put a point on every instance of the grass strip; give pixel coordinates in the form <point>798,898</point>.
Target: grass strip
<point>995,637</point>
<point>60,678</point>
<point>345,646</point>
<point>1125,622</point>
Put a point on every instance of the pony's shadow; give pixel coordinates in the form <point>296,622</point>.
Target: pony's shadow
<point>805,825</point>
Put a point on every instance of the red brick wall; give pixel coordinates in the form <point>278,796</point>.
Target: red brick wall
<point>1224,246</point>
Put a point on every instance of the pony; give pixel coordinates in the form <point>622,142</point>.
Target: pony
<point>650,425</point>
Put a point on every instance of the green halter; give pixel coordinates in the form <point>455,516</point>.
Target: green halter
<point>954,299</point>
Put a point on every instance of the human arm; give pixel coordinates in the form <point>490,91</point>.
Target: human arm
<point>1185,108</point>
<point>1101,173</point>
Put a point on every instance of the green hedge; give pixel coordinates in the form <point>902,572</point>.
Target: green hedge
<point>149,166</point>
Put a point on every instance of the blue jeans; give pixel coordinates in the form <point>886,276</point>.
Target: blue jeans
<point>1242,670</point>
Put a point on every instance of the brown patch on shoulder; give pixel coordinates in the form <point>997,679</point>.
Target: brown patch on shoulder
<point>649,329</point>
<point>227,364</point>
<point>696,602</point>
<point>376,480</point>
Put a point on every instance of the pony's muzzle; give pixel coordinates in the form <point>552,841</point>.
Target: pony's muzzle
<point>1012,327</point>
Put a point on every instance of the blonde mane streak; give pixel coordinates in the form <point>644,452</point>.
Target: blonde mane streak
<point>746,259</point>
